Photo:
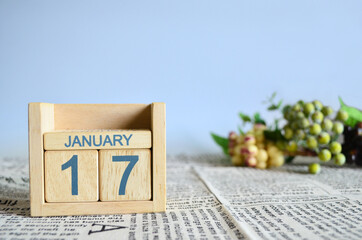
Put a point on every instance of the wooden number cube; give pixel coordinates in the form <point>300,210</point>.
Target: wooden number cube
<point>125,174</point>
<point>71,176</point>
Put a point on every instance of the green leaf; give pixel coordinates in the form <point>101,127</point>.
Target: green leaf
<point>273,96</point>
<point>241,130</point>
<point>275,107</point>
<point>276,124</point>
<point>272,107</point>
<point>289,159</point>
<point>274,135</point>
<point>245,118</point>
<point>222,142</point>
<point>257,119</point>
<point>354,114</point>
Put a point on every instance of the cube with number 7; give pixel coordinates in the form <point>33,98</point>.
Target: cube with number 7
<point>125,174</point>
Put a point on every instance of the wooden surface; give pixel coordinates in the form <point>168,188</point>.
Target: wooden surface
<point>102,116</point>
<point>58,182</point>
<point>105,139</point>
<point>138,186</point>
<point>41,119</point>
<point>158,125</point>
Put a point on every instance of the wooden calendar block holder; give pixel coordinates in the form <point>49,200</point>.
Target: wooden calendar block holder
<point>47,118</point>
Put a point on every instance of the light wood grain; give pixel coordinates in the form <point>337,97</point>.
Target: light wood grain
<point>111,139</point>
<point>58,182</point>
<point>138,186</point>
<point>41,119</point>
<point>91,208</point>
<point>158,125</point>
<point>102,116</point>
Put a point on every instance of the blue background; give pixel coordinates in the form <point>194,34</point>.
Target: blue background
<point>207,60</point>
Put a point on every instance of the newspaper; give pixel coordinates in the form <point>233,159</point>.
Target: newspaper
<point>207,199</point>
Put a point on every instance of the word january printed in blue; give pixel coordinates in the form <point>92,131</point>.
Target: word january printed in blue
<point>97,141</point>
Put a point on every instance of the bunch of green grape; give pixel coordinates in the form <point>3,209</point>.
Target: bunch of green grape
<point>314,127</point>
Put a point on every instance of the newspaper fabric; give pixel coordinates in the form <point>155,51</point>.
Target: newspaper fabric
<point>207,199</point>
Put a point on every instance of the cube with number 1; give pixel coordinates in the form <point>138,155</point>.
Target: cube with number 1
<point>71,176</point>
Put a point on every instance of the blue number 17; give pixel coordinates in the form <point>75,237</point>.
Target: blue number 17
<point>132,161</point>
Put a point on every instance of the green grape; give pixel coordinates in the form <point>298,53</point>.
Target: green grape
<point>312,142</point>
<point>325,155</point>
<point>303,123</point>
<point>317,117</point>
<point>280,144</point>
<point>314,168</point>
<point>317,104</point>
<point>292,146</point>
<point>300,134</point>
<point>342,115</point>
<point>294,125</point>
<point>324,138</point>
<point>338,127</point>
<point>301,103</point>
<point>287,126</point>
<point>293,115</point>
<point>327,124</point>
<point>326,110</point>
<point>297,107</point>
<point>300,115</point>
<point>287,108</point>
<point>288,133</point>
<point>339,159</point>
<point>286,114</point>
<point>308,108</point>
<point>315,129</point>
<point>335,147</point>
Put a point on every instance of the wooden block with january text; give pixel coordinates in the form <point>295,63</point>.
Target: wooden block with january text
<point>125,174</point>
<point>97,139</point>
<point>71,176</point>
